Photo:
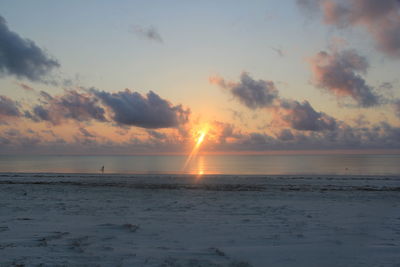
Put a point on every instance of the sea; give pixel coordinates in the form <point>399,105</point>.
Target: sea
<point>280,164</point>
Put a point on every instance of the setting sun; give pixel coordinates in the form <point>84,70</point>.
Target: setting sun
<point>199,137</point>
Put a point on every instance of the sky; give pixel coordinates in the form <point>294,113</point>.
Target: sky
<point>139,77</point>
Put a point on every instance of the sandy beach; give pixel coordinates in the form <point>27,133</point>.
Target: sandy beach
<point>89,220</point>
<point>200,133</point>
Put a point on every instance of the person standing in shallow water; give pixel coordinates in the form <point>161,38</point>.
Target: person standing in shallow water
<point>102,169</point>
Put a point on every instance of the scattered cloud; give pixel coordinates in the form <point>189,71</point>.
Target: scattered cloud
<point>8,107</point>
<point>263,94</point>
<point>22,57</point>
<point>303,117</point>
<point>124,108</point>
<point>280,52</point>
<point>149,33</point>
<point>150,111</point>
<point>40,114</point>
<point>251,93</point>
<point>26,87</point>
<point>72,105</point>
<point>381,19</point>
<point>339,73</point>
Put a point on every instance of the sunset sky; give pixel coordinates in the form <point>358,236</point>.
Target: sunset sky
<point>132,77</point>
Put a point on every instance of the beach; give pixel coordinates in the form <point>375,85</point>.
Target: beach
<point>190,220</point>
<point>200,133</point>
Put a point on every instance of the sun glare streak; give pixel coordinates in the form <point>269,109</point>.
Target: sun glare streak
<point>200,139</point>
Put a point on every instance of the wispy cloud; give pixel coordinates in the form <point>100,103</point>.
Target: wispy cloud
<point>26,87</point>
<point>149,33</point>
<point>280,52</point>
<point>86,133</point>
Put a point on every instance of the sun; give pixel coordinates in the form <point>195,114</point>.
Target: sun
<point>200,136</point>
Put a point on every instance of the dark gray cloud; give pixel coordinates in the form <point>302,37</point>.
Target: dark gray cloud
<point>149,33</point>
<point>251,93</point>
<point>125,108</point>
<point>381,19</point>
<point>303,117</point>
<point>22,57</point>
<point>80,106</point>
<point>8,107</point>
<point>150,111</point>
<point>339,73</point>
<point>72,105</point>
<point>263,94</point>
<point>40,114</point>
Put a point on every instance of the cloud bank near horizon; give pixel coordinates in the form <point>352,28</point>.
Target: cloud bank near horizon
<point>223,137</point>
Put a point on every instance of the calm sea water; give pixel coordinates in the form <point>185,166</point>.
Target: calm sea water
<point>208,164</point>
